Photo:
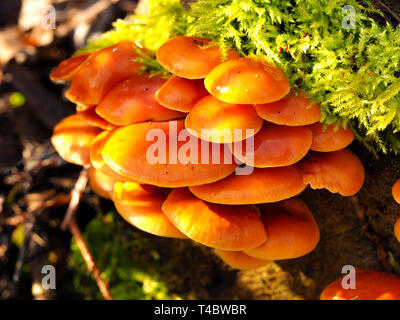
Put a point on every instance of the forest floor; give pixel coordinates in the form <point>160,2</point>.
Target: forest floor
<point>35,185</point>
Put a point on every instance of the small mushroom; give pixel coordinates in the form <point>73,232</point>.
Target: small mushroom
<point>262,185</point>
<point>141,207</point>
<point>339,171</point>
<point>94,119</point>
<point>191,57</point>
<point>67,68</point>
<point>220,122</point>
<point>294,110</point>
<point>274,146</point>
<point>291,228</point>
<point>330,138</point>
<point>102,71</point>
<point>133,101</point>
<point>247,81</point>
<point>164,154</point>
<point>214,225</point>
<point>101,184</point>
<point>240,260</point>
<point>396,191</point>
<point>72,138</point>
<point>370,285</point>
<point>181,94</point>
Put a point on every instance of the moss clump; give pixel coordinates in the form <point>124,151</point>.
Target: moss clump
<point>127,260</point>
<point>353,73</point>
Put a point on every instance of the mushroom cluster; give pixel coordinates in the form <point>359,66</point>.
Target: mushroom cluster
<point>213,117</point>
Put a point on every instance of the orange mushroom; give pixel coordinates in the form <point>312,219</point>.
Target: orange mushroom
<point>97,160</point>
<point>214,225</point>
<point>240,260</point>
<point>339,171</point>
<point>330,138</point>
<point>221,122</point>
<point>396,191</point>
<point>165,154</point>
<point>294,110</point>
<point>67,68</point>
<point>141,207</point>
<point>291,228</point>
<point>72,138</point>
<point>262,185</point>
<point>370,285</point>
<point>397,229</point>
<point>102,71</point>
<point>94,119</point>
<point>274,146</point>
<point>101,184</point>
<point>133,101</point>
<point>191,57</point>
<point>247,81</point>
<point>181,94</point>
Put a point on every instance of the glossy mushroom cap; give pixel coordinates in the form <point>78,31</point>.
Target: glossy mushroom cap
<point>181,94</point>
<point>133,101</point>
<point>330,138</point>
<point>67,68</point>
<point>274,146</point>
<point>217,226</point>
<point>262,185</point>
<point>370,285</point>
<point>141,207</point>
<point>397,229</point>
<point>294,110</point>
<point>220,122</point>
<point>339,171</point>
<point>240,260</point>
<point>247,81</point>
<point>72,138</point>
<point>95,120</point>
<point>291,228</point>
<point>164,154</point>
<point>101,184</point>
<point>102,71</point>
<point>191,57</point>
<point>396,191</point>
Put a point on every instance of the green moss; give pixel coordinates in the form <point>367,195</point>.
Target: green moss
<point>127,260</point>
<point>353,73</point>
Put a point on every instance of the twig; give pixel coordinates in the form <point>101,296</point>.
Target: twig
<point>76,196</point>
<point>21,255</point>
<point>394,14</point>
<point>87,256</point>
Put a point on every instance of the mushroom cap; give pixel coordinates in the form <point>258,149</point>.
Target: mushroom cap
<point>220,122</point>
<point>72,138</point>
<point>240,260</point>
<point>274,146</point>
<point>101,184</point>
<point>102,71</point>
<point>262,185</point>
<point>133,101</point>
<point>190,57</point>
<point>82,107</point>
<point>136,152</point>
<point>396,191</point>
<point>97,160</point>
<point>247,81</point>
<point>338,171</point>
<point>141,207</point>
<point>181,94</point>
<point>95,120</point>
<point>294,110</point>
<point>330,138</point>
<point>291,228</point>
<point>397,229</point>
<point>68,67</point>
<point>214,225</point>
<point>370,285</point>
